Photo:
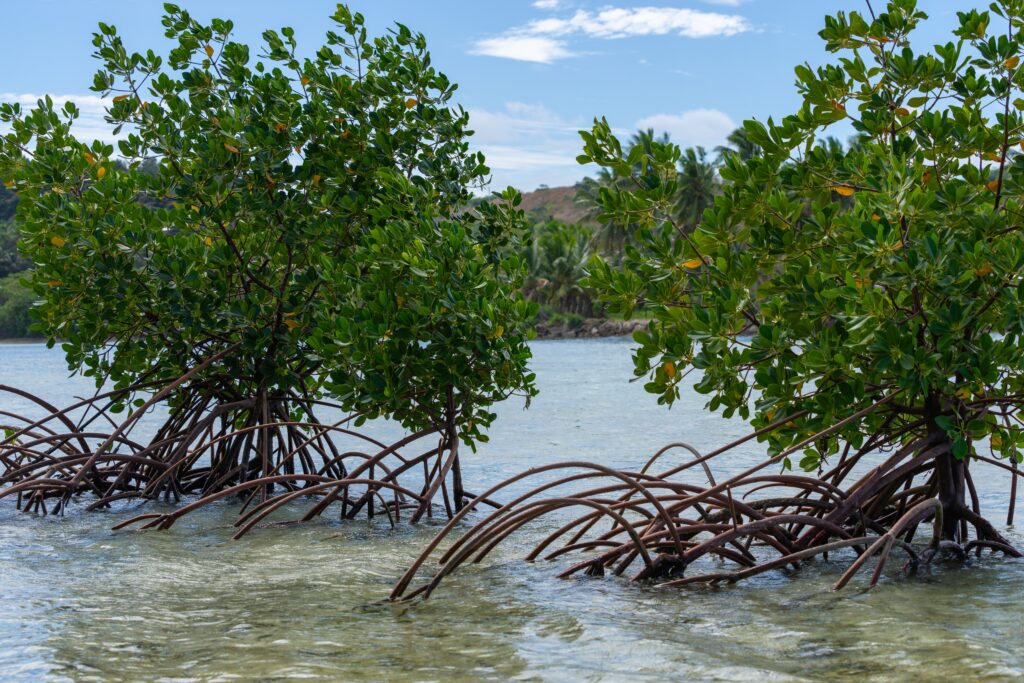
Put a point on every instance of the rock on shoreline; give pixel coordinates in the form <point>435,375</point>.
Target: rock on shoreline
<point>590,327</point>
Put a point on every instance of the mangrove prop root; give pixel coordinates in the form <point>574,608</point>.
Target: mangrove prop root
<point>266,452</point>
<point>672,530</point>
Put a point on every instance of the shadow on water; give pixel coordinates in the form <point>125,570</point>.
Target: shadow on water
<point>80,602</point>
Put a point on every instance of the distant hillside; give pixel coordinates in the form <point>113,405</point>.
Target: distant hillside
<point>558,203</point>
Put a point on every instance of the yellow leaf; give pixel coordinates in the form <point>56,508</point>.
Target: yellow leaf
<point>280,127</point>
<point>670,369</point>
<point>992,185</point>
<point>316,179</point>
<point>121,98</point>
<point>304,81</point>
<point>1012,62</point>
<point>902,111</point>
<point>898,245</point>
<point>89,159</point>
<point>963,393</point>
<point>411,102</point>
<point>992,156</point>
<point>53,283</point>
<point>693,263</point>
<point>208,241</point>
<point>983,270</point>
<point>8,184</point>
<point>927,177</point>
<point>298,149</point>
<point>344,133</point>
<point>231,148</point>
<point>209,51</point>
<point>844,190</point>
<point>290,324</point>
<point>101,171</point>
<point>57,241</point>
<point>875,217</point>
<point>838,106</point>
<point>997,441</point>
<point>195,207</point>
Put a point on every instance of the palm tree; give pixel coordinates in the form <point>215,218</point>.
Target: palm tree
<point>698,184</point>
<point>557,257</point>
<point>739,144</point>
<point>646,139</point>
<point>611,237</point>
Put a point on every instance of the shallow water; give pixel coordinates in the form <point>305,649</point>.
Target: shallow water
<point>80,602</point>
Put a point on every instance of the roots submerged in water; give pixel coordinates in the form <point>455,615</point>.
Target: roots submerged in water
<point>271,451</point>
<point>663,530</point>
<point>267,452</point>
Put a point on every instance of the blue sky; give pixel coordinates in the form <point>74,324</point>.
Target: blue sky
<point>531,72</point>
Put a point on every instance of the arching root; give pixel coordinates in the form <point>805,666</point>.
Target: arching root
<point>663,529</point>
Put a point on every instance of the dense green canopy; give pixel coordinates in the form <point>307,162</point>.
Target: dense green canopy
<point>823,279</point>
<point>307,210</point>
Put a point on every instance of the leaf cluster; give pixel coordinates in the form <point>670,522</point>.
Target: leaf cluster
<point>307,209</point>
<point>824,279</point>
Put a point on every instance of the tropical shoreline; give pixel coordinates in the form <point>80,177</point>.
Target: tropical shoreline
<point>588,328</point>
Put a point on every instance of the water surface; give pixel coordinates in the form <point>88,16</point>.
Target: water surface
<point>80,602</point>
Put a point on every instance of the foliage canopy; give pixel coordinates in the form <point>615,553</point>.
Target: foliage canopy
<point>825,279</point>
<point>308,210</point>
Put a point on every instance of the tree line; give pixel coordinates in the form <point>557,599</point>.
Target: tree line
<point>557,253</point>
<point>560,254</point>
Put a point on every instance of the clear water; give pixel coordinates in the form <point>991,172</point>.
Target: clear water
<point>80,602</point>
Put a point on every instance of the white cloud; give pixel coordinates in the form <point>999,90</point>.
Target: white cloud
<point>543,40</point>
<point>725,3</point>
<point>642,21</point>
<point>90,124</point>
<point>522,47</point>
<point>527,145</point>
<point>501,158</point>
<point>705,127</point>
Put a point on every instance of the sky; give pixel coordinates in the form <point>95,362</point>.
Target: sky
<point>532,73</point>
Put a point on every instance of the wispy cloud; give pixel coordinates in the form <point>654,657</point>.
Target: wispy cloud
<point>525,48</point>
<point>547,4</point>
<point>545,40</point>
<point>91,123</point>
<point>642,21</point>
<point>704,127</point>
<point>527,145</point>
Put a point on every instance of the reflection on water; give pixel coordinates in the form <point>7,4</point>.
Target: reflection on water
<point>80,602</point>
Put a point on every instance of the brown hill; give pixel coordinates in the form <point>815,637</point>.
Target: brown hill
<point>555,203</point>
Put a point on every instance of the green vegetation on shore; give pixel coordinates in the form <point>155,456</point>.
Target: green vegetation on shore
<point>15,298</point>
<point>566,230</point>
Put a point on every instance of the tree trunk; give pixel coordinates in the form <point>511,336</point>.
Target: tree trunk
<point>451,436</point>
<point>950,476</point>
<point>951,479</point>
